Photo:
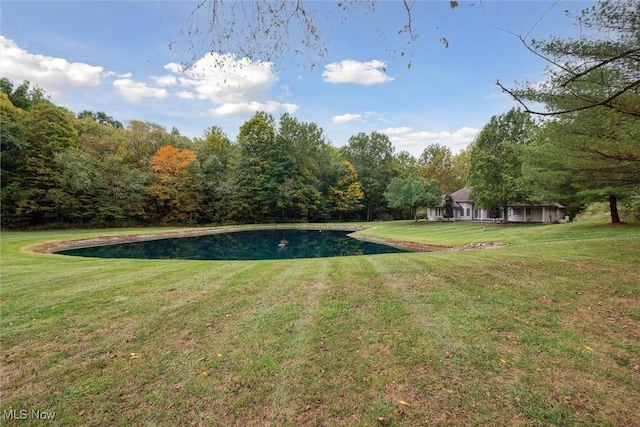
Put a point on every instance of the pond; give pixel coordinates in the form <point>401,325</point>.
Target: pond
<point>241,245</point>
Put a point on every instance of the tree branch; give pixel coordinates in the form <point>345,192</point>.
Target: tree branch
<point>626,54</point>
<point>606,102</point>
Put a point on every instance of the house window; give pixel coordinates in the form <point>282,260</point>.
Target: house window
<point>468,212</point>
<point>476,213</point>
<point>516,212</point>
<point>528,211</point>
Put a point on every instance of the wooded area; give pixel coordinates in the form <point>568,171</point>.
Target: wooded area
<point>60,168</point>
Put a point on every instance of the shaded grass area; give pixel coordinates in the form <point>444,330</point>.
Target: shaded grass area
<point>545,331</point>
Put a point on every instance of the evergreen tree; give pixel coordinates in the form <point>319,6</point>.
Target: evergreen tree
<point>589,151</point>
<point>448,207</point>
<point>587,156</point>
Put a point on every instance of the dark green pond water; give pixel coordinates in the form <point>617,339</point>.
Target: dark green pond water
<point>241,245</point>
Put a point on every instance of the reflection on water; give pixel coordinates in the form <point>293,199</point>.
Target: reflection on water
<point>241,245</point>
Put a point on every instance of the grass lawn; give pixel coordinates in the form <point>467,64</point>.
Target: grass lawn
<point>544,331</point>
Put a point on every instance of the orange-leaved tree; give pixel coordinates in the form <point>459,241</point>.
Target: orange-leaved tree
<point>175,183</point>
<point>171,162</point>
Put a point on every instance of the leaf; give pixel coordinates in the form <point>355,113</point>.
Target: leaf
<point>454,4</point>
<point>204,373</point>
<point>403,403</point>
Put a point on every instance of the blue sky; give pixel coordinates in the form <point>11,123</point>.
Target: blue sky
<point>124,58</point>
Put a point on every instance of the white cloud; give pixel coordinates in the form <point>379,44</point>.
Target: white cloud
<point>54,75</point>
<point>346,118</point>
<point>350,71</point>
<point>185,94</point>
<point>365,117</point>
<point>223,79</point>
<point>290,108</point>
<point>394,131</point>
<point>235,86</point>
<point>165,80</point>
<point>405,138</point>
<point>243,108</point>
<point>135,91</point>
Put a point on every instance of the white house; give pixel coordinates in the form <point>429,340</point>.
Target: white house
<point>465,209</point>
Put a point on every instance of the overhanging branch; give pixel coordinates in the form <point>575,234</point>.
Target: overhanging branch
<point>606,102</point>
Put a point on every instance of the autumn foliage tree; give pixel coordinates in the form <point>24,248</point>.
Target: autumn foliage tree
<point>436,162</point>
<point>171,163</point>
<point>174,186</point>
<point>347,194</point>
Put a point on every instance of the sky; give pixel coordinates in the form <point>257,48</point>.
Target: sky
<point>128,59</point>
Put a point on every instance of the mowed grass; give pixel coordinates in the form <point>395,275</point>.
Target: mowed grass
<point>544,331</point>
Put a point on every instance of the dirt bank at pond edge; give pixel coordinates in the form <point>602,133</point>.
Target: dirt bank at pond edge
<point>421,247</point>
<point>51,247</point>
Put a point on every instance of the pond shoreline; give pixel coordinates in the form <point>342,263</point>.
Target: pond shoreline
<point>53,247</point>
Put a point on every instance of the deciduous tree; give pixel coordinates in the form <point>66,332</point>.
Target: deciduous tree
<point>372,156</point>
<point>175,186</point>
<point>22,96</point>
<point>496,160</point>
<point>412,193</point>
<point>265,29</point>
<point>310,148</point>
<point>436,162</point>
<point>266,171</point>
<point>346,195</point>
<point>48,130</point>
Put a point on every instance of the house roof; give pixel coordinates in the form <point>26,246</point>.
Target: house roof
<point>464,195</point>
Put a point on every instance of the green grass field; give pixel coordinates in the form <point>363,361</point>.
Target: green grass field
<point>544,331</point>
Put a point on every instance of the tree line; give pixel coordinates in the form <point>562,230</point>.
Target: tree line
<point>582,146</point>
<point>91,170</point>
<point>59,168</point>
